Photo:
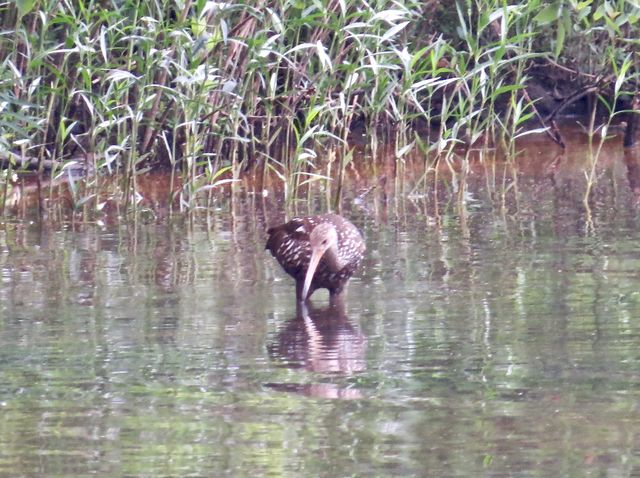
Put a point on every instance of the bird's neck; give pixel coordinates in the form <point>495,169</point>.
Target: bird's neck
<point>332,259</point>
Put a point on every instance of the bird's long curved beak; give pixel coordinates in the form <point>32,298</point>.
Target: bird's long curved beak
<point>316,255</point>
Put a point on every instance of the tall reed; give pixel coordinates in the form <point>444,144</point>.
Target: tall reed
<point>215,89</point>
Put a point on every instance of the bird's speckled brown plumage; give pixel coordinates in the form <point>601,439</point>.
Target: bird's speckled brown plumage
<point>290,244</point>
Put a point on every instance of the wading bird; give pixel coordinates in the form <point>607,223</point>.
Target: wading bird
<point>319,252</point>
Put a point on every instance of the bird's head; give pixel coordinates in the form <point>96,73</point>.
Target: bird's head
<point>323,237</point>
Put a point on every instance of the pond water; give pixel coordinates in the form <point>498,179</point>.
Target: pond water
<point>497,334</point>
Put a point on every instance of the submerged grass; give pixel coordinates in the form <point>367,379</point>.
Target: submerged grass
<point>212,89</point>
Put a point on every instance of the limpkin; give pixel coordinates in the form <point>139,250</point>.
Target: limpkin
<point>319,252</point>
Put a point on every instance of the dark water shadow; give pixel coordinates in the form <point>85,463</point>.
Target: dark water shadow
<point>631,159</point>
<point>321,340</point>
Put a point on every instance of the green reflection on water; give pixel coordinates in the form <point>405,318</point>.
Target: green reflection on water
<point>477,345</point>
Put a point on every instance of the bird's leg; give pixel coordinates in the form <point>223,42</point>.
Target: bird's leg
<point>336,299</point>
<point>299,288</point>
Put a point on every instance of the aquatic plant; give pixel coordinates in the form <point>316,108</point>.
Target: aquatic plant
<point>213,90</point>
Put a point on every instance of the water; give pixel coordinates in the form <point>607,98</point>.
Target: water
<point>494,338</point>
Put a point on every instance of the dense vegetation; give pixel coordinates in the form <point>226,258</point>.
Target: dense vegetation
<point>211,88</point>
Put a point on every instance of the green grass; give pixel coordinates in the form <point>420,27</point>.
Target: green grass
<point>212,90</point>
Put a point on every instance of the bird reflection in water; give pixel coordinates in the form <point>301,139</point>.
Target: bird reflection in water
<point>323,341</point>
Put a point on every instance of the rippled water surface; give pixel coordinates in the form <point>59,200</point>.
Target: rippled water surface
<point>486,336</point>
